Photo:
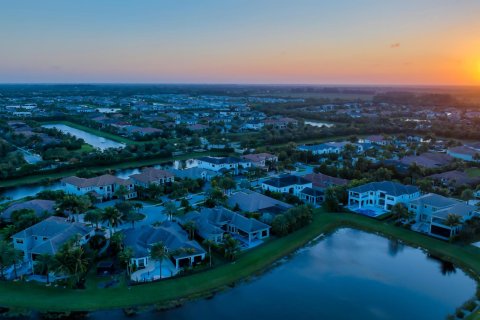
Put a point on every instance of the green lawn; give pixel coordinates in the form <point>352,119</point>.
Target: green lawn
<point>30,295</point>
<point>473,172</point>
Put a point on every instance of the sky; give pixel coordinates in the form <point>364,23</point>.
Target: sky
<point>356,42</point>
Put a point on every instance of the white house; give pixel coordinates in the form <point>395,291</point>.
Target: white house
<point>102,187</point>
<point>380,195</point>
<point>286,184</point>
<point>223,164</point>
<point>431,211</point>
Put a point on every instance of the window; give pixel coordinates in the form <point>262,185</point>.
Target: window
<point>19,241</point>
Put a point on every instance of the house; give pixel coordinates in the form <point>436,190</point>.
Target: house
<point>286,183</point>
<point>432,210</point>
<point>329,148</point>
<point>253,125</point>
<point>251,201</point>
<point>223,164</point>
<point>185,252</point>
<point>39,207</point>
<point>150,176</point>
<point>195,173</point>
<point>455,178</point>
<point>428,160</point>
<point>466,153</point>
<point>102,187</point>
<point>48,236</point>
<point>213,223</point>
<point>376,198</point>
<point>376,139</point>
<point>322,181</point>
<point>260,160</point>
<point>311,195</point>
<point>281,123</point>
<point>197,127</point>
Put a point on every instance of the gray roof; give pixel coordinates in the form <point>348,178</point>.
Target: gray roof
<point>169,233</point>
<point>461,209</point>
<point>211,220</point>
<point>392,188</point>
<point>434,200</point>
<point>286,180</point>
<point>39,207</point>
<point>312,192</point>
<point>222,160</point>
<point>193,173</point>
<point>57,230</point>
<point>252,201</point>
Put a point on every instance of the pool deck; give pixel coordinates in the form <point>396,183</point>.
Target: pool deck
<point>368,211</point>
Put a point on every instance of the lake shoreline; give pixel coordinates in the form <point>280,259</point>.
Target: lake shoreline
<point>324,223</point>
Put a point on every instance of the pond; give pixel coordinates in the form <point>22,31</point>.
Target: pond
<point>319,124</point>
<point>91,139</point>
<point>347,275</point>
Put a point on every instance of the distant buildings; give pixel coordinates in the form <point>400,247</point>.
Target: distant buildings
<point>261,160</point>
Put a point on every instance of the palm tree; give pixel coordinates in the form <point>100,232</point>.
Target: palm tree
<point>71,261</point>
<point>209,243</point>
<point>171,209</point>
<point>74,204</point>
<point>133,217</point>
<point>5,258</point>
<point>158,251</point>
<point>94,217</point>
<point>231,247</point>
<point>16,256</point>
<point>113,217</point>
<point>138,206</point>
<point>44,263</point>
<point>453,220</point>
<point>190,227</point>
<point>121,192</point>
<point>126,256</point>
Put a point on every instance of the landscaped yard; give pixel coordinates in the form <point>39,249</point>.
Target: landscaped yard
<point>30,295</point>
<point>473,172</point>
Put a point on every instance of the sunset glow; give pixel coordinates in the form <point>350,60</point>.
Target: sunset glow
<point>324,42</point>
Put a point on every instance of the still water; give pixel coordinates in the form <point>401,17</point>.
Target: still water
<point>347,275</point>
<point>91,139</point>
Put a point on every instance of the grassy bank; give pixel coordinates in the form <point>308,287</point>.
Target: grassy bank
<point>30,295</point>
<point>51,176</point>
<point>96,132</point>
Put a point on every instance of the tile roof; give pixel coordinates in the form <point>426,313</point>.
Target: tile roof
<point>286,180</point>
<point>252,201</point>
<point>321,180</point>
<point>58,231</point>
<point>37,205</point>
<point>390,187</point>
<point>169,233</point>
<point>101,181</point>
<point>150,175</point>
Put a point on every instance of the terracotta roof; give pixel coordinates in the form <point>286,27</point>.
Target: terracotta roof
<point>101,181</point>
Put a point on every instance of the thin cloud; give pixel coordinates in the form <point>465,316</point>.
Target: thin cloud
<point>395,45</point>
